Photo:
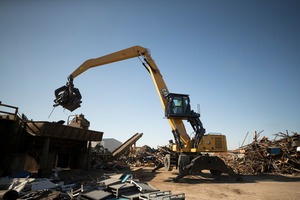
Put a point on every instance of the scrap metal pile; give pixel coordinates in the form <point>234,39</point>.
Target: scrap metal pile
<point>145,156</point>
<point>265,156</point>
<point>83,186</point>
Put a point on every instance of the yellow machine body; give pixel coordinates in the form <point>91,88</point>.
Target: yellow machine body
<point>208,143</point>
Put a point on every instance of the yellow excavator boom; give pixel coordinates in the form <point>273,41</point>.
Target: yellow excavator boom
<point>110,58</point>
<point>136,51</point>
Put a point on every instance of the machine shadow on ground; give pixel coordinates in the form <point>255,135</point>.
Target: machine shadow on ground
<point>207,178</point>
<point>224,178</point>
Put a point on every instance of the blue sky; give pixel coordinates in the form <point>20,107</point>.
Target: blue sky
<point>238,59</point>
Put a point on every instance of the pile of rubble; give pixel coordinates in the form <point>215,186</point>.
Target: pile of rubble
<point>265,156</point>
<point>83,186</point>
<point>145,156</point>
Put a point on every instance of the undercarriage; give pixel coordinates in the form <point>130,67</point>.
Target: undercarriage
<point>192,164</point>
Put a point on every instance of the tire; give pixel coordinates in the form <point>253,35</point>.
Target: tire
<point>182,162</point>
<point>167,162</point>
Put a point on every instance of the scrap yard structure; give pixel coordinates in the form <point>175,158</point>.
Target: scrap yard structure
<point>41,145</point>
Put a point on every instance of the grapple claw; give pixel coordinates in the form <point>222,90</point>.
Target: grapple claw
<point>67,96</point>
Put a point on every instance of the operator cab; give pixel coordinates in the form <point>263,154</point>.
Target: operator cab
<point>178,106</point>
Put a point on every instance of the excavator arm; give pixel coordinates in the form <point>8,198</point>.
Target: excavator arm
<point>110,58</point>
<point>69,97</point>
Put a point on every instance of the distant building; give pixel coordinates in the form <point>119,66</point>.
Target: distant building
<point>110,143</point>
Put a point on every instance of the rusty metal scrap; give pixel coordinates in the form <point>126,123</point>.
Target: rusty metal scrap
<point>265,156</point>
<point>145,156</point>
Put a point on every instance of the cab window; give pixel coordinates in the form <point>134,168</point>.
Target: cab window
<point>177,106</point>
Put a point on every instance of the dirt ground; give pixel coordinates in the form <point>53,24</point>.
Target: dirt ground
<point>266,187</point>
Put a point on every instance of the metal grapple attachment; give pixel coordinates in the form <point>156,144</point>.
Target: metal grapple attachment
<point>67,96</point>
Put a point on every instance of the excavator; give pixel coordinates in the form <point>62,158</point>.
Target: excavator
<point>188,155</point>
